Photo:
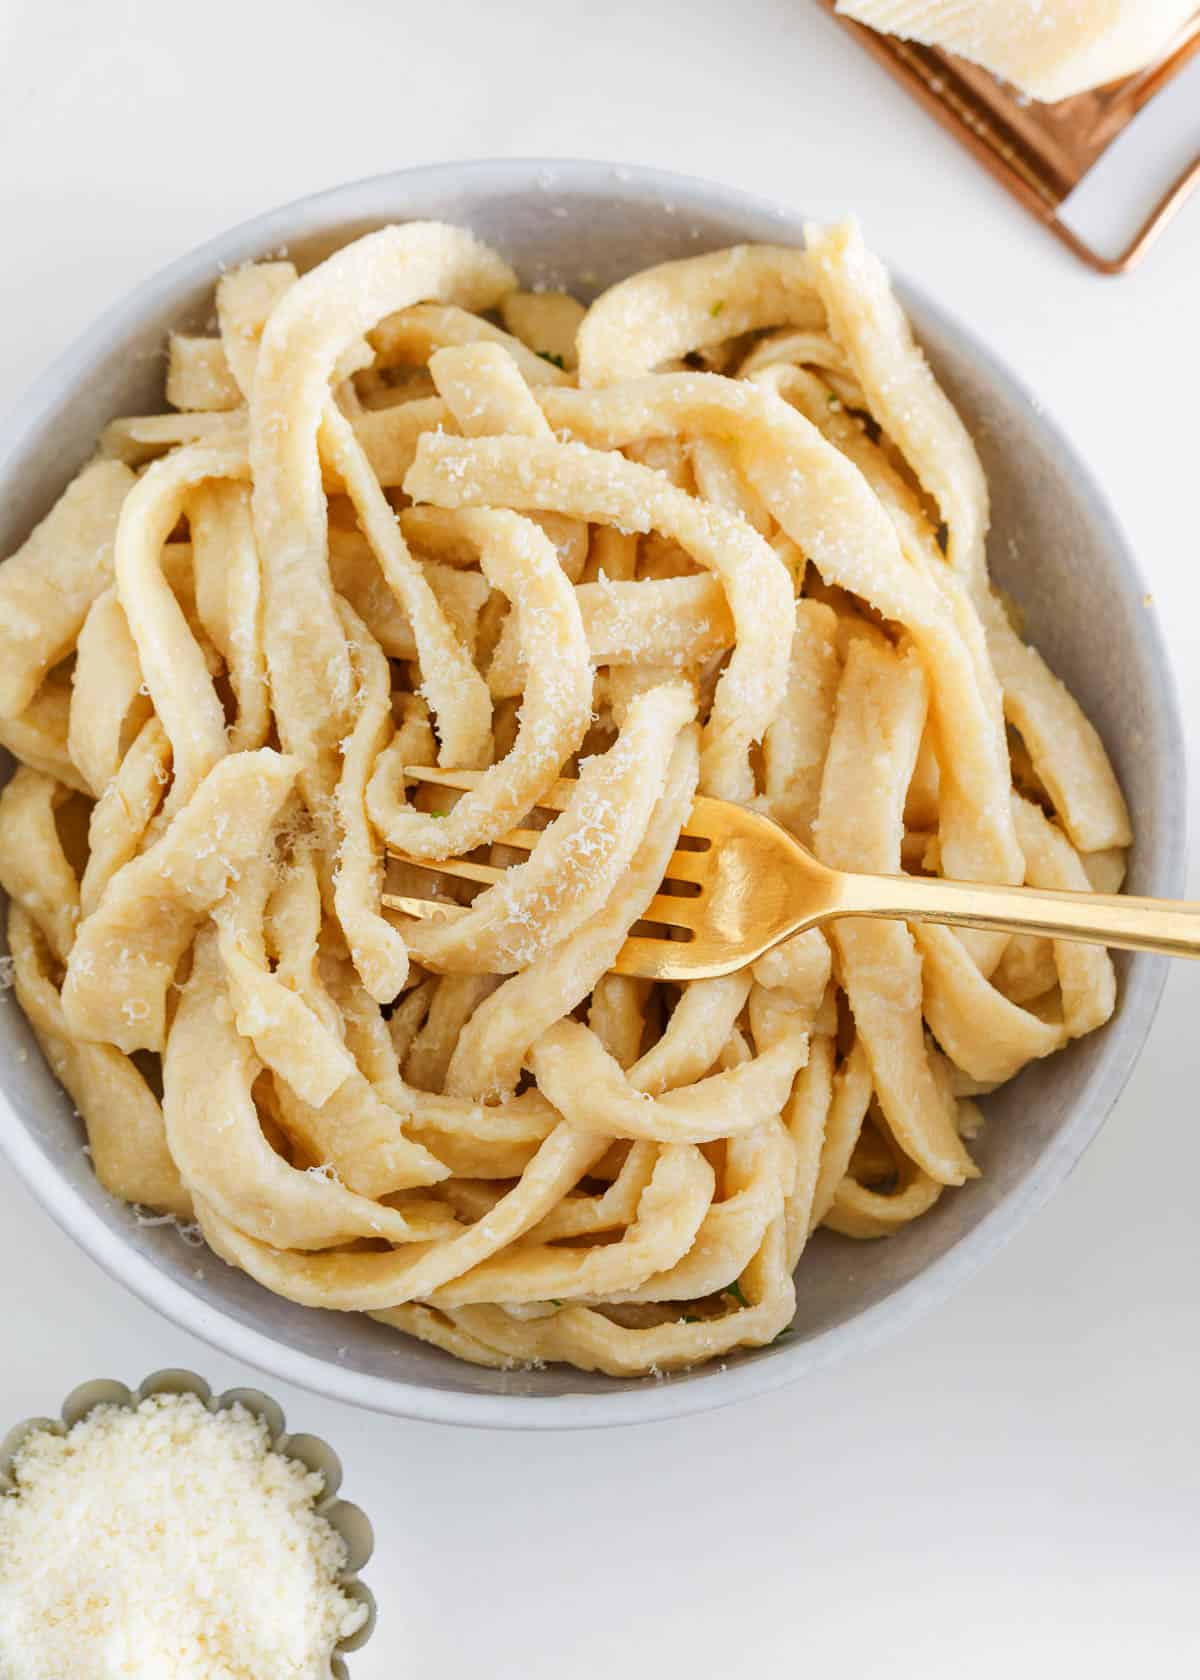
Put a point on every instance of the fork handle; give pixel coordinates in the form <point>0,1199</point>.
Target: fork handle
<point>1169,926</point>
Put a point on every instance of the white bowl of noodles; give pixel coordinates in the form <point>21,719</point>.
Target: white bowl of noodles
<point>1054,548</point>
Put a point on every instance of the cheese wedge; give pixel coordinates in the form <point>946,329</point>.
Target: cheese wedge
<point>1049,49</point>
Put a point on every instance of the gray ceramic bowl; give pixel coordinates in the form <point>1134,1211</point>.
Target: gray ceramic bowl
<point>1055,545</point>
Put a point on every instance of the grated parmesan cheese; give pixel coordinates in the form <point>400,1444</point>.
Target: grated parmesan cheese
<point>167,1543</point>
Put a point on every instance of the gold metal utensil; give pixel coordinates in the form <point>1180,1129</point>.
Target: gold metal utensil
<point>738,884</point>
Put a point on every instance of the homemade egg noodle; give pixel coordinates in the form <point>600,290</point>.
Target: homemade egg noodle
<point>721,532</point>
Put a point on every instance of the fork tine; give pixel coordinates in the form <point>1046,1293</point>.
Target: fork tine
<point>523,839</point>
<point>643,957</point>
<point>554,799</point>
<point>653,959</point>
<point>706,816</point>
<point>675,912</point>
<point>462,868</point>
<point>682,866</point>
<point>689,866</point>
<point>463,780</point>
<point>718,834</point>
<point>425,909</point>
<point>666,908</point>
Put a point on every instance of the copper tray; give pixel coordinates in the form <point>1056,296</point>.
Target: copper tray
<point>1038,152</point>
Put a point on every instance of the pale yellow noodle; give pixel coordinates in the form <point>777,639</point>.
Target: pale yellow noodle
<point>173,666</point>
<point>490,1051</point>
<point>679,622</point>
<point>124,811</point>
<point>548,322</point>
<point>383,532</point>
<point>517,559</point>
<point>47,586</point>
<point>913,409</point>
<point>215,1137</point>
<point>124,1122</point>
<point>126,952</point>
<point>364,1281</point>
<point>664,312</point>
<point>34,870</point>
<point>39,736</point>
<point>588,1088</point>
<point>377,949</point>
<point>577,863</point>
<point>199,376</point>
<point>592,485</point>
<point>109,700</point>
<point>228,600</point>
<point>880,716</point>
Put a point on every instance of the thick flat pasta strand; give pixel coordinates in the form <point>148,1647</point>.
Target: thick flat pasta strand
<point>577,863</point>
<point>592,486</point>
<point>228,601</point>
<point>913,409</point>
<point>1085,972</point>
<point>126,951</point>
<point>34,870</point>
<point>587,1086</point>
<point>758,1166</point>
<point>122,815</point>
<point>109,701</point>
<point>47,586</point>
<point>364,1282</point>
<point>308,331</point>
<point>678,622</point>
<point>378,951</point>
<point>665,312</point>
<point>491,1050</point>
<point>824,505</point>
<point>173,666</point>
<point>881,713</point>
<point>384,532</point>
<point>39,736</point>
<point>124,1122</point>
<point>517,559</point>
<point>215,1135</point>
<point>669,1214</point>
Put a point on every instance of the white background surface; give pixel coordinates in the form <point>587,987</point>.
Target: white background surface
<point>1012,1488</point>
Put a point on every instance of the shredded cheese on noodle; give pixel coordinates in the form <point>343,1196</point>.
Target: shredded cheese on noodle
<point>406,513</point>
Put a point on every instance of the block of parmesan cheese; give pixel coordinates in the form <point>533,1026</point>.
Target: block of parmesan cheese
<point>1049,49</point>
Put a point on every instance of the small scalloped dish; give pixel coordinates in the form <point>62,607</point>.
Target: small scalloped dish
<point>347,1520</point>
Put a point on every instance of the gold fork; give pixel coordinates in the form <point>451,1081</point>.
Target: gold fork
<point>738,884</point>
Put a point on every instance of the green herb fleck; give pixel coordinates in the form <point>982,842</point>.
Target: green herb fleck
<point>689,1319</point>
<point>554,1303</point>
<point>834,403</point>
<point>717,308</point>
<point>549,356</point>
<point>438,816</point>
<point>735,1289</point>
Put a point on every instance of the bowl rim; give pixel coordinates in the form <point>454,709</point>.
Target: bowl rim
<point>723,1385</point>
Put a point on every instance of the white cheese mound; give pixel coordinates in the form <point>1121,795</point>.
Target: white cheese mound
<point>167,1543</point>
<point>1050,49</point>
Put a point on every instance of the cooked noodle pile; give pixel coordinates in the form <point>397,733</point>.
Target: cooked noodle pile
<point>722,532</point>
